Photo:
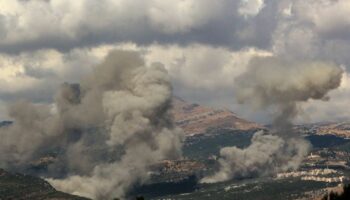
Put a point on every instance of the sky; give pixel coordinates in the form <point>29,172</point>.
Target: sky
<point>204,45</point>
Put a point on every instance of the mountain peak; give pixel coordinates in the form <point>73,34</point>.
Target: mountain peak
<point>196,119</point>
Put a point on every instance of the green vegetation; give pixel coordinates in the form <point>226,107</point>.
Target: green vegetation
<point>326,141</point>
<point>262,189</point>
<point>202,146</point>
<point>345,147</point>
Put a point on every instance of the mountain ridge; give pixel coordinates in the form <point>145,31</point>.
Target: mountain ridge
<point>197,119</point>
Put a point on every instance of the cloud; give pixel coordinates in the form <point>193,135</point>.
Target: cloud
<point>34,75</point>
<point>62,24</point>
<point>196,67</point>
<point>201,66</point>
<point>65,24</point>
<point>326,16</point>
<point>204,44</point>
<point>181,16</point>
<point>317,26</point>
<point>250,8</point>
<point>200,73</point>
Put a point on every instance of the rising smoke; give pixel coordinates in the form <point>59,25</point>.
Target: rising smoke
<point>279,86</point>
<point>108,129</point>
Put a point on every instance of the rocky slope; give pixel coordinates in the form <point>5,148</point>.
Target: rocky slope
<point>24,187</point>
<point>197,119</point>
<point>341,129</point>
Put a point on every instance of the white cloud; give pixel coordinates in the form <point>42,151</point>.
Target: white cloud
<point>198,66</point>
<point>204,44</point>
<point>195,67</point>
<point>28,74</point>
<point>200,73</point>
<point>250,8</point>
<point>181,16</point>
<point>328,16</point>
<point>61,23</point>
<point>203,67</point>
<point>295,41</point>
<point>313,30</point>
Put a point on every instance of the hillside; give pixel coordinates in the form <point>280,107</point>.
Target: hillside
<point>24,187</point>
<point>341,129</point>
<point>196,119</point>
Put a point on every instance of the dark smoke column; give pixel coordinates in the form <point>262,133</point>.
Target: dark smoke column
<point>279,86</point>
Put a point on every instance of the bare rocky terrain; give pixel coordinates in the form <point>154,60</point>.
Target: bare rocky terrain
<point>341,129</point>
<point>197,119</point>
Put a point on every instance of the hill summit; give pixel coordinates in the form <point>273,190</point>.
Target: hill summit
<point>197,119</point>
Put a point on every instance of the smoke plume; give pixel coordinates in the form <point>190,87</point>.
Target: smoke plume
<point>279,86</point>
<point>107,130</point>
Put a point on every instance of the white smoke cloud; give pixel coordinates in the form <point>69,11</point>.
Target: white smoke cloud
<point>278,81</point>
<point>279,85</point>
<point>35,75</point>
<point>267,155</point>
<point>44,70</point>
<point>109,129</point>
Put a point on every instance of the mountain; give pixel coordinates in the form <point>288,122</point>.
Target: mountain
<point>23,187</point>
<point>196,119</point>
<point>341,129</point>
